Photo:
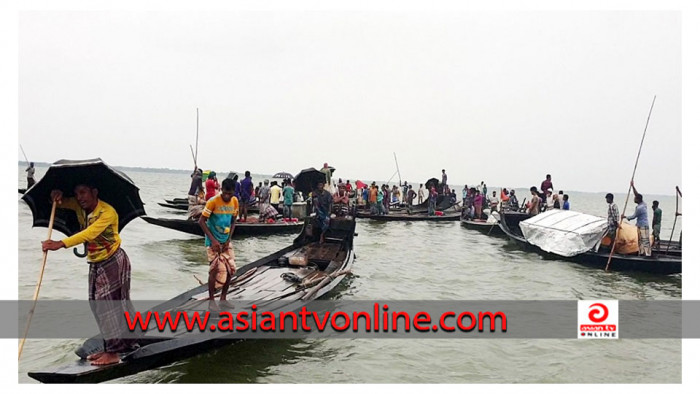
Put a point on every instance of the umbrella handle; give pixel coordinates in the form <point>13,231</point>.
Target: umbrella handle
<point>83,254</point>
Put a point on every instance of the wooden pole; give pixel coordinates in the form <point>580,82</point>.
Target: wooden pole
<point>24,154</point>
<point>196,143</point>
<point>675,219</point>
<point>38,284</point>
<point>629,190</point>
<point>397,167</point>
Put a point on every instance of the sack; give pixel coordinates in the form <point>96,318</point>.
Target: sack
<point>627,241</point>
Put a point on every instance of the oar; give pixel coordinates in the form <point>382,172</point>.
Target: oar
<point>629,190</point>
<point>38,284</point>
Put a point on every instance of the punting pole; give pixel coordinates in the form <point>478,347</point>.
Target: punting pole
<point>38,283</point>
<point>397,168</point>
<point>629,189</point>
<point>675,219</point>
<point>24,154</point>
<point>196,144</point>
<point>193,156</point>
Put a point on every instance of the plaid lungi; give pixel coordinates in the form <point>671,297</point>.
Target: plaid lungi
<point>109,284</point>
<point>643,239</point>
<point>223,263</point>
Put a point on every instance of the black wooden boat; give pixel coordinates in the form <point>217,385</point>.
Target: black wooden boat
<point>658,263</point>
<point>241,229</point>
<point>180,206</point>
<point>262,281</point>
<point>405,217</point>
<point>482,226</point>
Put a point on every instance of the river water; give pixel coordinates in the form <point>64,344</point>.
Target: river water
<point>395,261</point>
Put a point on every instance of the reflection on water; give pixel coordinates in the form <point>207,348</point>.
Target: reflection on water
<point>400,261</point>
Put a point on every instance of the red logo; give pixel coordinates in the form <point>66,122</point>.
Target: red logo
<point>594,315</point>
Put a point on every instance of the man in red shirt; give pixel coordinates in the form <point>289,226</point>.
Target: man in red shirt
<point>212,186</point>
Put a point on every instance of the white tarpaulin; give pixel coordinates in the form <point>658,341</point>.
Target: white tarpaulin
<point>566,233</point>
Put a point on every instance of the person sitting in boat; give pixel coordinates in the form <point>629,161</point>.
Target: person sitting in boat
<point>196,206</point>
<point>565,205</point>
<point>322,204</point>
<point>513,201</point>
<point>641,215</point>
<point>110,269</point>
<point>533,207</point>
<point>341,203</point>
<point>267,212</point>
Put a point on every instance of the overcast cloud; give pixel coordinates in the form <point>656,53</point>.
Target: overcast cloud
<point>504,97</point>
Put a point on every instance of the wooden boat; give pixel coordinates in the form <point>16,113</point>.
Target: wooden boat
<point>263,281</point>
<point>241,229</point>
<point>482,226</point>
<point>179,207</point>
<point>405,217</point>
<point>658,263</point>
<point>252,208</point>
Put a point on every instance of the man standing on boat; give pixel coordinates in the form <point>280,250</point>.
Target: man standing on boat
<point>328,173</point>
<point>218,222</point>
<point>211,185</point>
<point>421,193</point>
<point>445,189</point>
<point>613,216</point>
<point>30,175</point>
<point>410,196</point>
<point>656,223</point>
<point>323,203</point>
<point>642,217</point>
<point>263,194</point>
<point>110,270</point>
<point>288,194</point>
<point>246,195</point>
<point>533,208</point>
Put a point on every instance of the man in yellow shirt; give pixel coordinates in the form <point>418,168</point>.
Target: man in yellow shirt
<point>275,195</point>
<point>109,278</point>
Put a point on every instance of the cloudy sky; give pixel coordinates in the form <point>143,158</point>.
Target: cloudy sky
<point>500,96</point>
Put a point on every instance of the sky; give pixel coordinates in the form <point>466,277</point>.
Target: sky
<point>503,97</point>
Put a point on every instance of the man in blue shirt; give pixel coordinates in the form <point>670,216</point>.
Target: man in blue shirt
<point>246,195</point>
<point>640,213</point>
<point>565,206</point>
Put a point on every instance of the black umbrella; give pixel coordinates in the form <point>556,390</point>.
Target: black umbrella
<point>307,180</point>
<point>114,188</point>
<point>283,175</point>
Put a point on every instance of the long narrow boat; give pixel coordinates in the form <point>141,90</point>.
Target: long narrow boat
<point>252,208</point>
<point>404,217</point>
<point>269,279</point>
<point>658,263</point>
<point>483,226</point>
<point>241,229</point>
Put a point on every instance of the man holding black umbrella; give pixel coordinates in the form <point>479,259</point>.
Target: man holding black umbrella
<point>110,269</point>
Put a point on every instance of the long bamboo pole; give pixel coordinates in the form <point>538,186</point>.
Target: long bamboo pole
<point>38,283</point>
<point>629,190</point>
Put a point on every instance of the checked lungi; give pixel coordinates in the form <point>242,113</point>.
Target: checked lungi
<point>643,239</point>
<point>109,284</point>
<point>223,263</point>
